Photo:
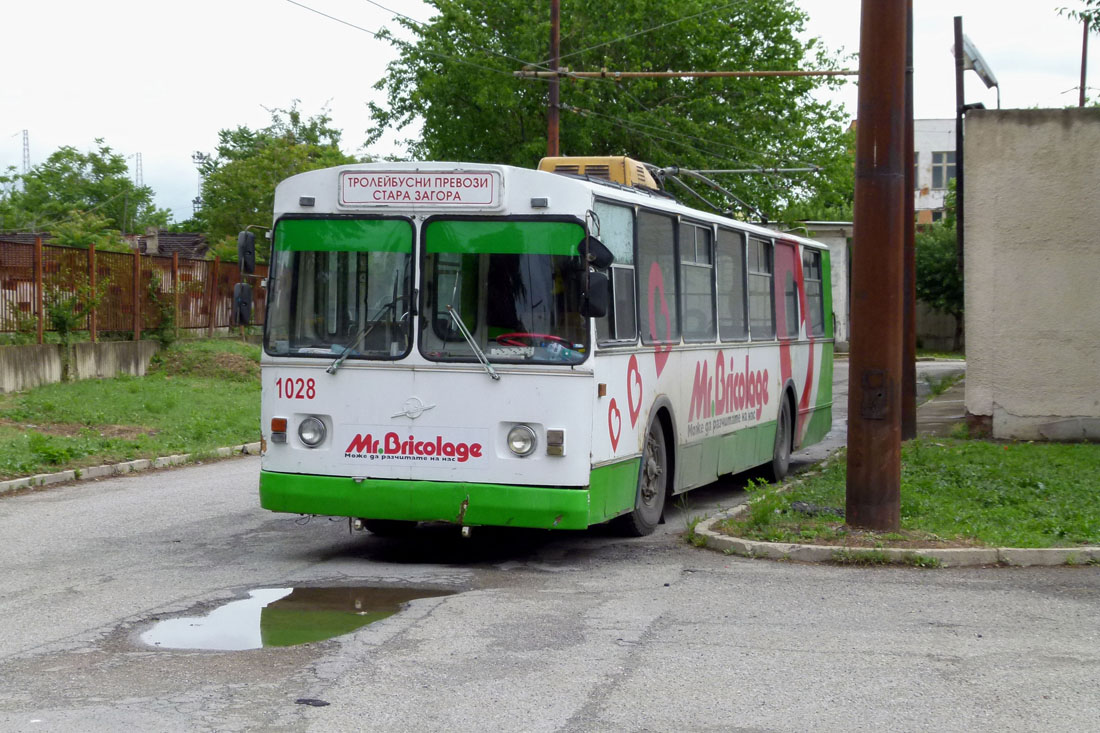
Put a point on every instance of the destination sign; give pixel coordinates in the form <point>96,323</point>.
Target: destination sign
<point>425,188</point>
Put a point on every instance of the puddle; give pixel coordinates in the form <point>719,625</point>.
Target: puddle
<point>272,617</point>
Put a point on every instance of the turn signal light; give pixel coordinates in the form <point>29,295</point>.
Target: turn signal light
<point>278,430</point>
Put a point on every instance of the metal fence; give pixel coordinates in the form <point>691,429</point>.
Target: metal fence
<point>136,291</point>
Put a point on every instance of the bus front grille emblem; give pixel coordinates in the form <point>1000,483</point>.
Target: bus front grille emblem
<point>414,408</point>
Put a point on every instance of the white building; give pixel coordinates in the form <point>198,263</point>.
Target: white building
<point>934,164</point>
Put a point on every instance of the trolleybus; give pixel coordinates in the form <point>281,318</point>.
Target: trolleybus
<point>489,345</point>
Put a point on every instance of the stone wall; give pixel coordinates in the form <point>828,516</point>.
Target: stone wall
<point>24,367</point>
<point>1032,253</point>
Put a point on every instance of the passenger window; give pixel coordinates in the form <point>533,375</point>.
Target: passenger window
<point>617,234</point>
<point>657,278</point>
<point>761,300</point>
<point>697,279</point>
<point>815,302</point>
<point>732,325</point>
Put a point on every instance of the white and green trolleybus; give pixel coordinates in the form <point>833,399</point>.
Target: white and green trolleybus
<point>489,345</point>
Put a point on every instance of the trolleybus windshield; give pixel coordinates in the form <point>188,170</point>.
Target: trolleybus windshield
<point>517,287</point>
<point>341,287</point>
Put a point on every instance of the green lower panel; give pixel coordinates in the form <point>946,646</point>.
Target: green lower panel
<point>611,493</point>
<point>821,420</point>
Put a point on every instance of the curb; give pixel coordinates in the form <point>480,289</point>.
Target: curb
<point>121,469</point>
<point>944,558</point>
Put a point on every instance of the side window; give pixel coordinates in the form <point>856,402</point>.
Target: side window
<point>697,281</point>
<point>785,269</point>
<point>617,233</point>
<point>815,301</point>
<point>761,301</point>
<point>732,325</point>
<point>657,278</point>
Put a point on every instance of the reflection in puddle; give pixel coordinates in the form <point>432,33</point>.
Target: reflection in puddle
<point>283,617</point>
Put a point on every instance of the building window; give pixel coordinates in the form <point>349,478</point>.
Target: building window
<point>943,168</point>
<point>916,171</point>
<point>937,216</point>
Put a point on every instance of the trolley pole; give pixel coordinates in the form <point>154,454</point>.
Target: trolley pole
<point>553,114</point>
<point>873,498</point>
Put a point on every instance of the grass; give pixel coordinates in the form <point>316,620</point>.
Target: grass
<point>197,396</point>
<point>954,493</point>
<point>929,354</point>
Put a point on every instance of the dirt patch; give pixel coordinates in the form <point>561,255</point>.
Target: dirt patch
<point>73,430</point>
<point>217,365</point>
<point>838,534</point>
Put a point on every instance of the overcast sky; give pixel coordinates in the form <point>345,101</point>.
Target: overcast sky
<point>161,79</point>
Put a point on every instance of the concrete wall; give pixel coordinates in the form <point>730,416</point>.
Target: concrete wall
<point>24,367</point>
<point>1032,272</point>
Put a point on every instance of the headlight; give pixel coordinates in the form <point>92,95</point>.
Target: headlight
<point>311,431</point>
<point>522,440</point>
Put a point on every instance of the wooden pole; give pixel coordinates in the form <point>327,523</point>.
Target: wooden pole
<point>137,295</point>
<point>38,295</point>
<point>873,494</point>
<point>553,114</point>
<point>91,285</point>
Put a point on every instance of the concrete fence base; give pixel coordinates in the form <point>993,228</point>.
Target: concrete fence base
<point>24,367</point>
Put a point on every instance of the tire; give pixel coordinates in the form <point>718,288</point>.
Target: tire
<point>389,527</point>
<point>781,453</point>
<point>653,483</point>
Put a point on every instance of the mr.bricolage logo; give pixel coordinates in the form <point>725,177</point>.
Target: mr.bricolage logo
<point>393,447</point>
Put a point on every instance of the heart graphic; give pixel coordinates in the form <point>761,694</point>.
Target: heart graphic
<point>633,389</point>
<point>614,424</point>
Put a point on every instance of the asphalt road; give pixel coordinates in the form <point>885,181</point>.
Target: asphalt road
<point>548,631</point>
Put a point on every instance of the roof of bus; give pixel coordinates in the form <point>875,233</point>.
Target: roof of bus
<point>287,189</point>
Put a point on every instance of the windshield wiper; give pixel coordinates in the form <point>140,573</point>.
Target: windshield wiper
<point>470,340</point>
<point>363,333</point>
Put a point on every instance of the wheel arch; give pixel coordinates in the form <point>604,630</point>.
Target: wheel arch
<point>662,413</point>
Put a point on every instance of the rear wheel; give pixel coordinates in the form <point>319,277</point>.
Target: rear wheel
<point>781,453</point>
<point>653,478</point>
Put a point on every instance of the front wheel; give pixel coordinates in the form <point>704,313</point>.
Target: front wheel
<point>781,452</point>
<point>653,478</point>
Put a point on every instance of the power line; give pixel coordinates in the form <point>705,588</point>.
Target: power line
<point>643,32</point>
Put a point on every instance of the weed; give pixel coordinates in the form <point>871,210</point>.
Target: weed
<point>921,561</point>
<point>848,556</point>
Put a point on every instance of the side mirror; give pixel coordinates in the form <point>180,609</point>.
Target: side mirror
<point>241,314</point>
<point>598,297</point>
<point>246,252</point>
<point>596,253</point>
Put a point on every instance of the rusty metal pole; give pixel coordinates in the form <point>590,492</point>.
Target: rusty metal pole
<point>91,285</point>
<point>873,498</point>
<point>176,291</point>
<point>1084,61</point>
<point>909,332</point>
<point>38,298</point>
<point>137,295</point>
<point>553,114</point>
<point>960,102</point>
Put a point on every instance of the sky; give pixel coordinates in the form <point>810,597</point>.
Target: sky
<point>161,79</point>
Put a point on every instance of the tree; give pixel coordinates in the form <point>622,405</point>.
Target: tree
<point>939,282</point>
<point>457,79</point>
<point>71,184</point>
<point>239,179</point>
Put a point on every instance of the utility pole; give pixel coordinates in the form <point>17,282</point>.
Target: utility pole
<point>909,331</point>
<point>553,114</point>
<point>873,497</point>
